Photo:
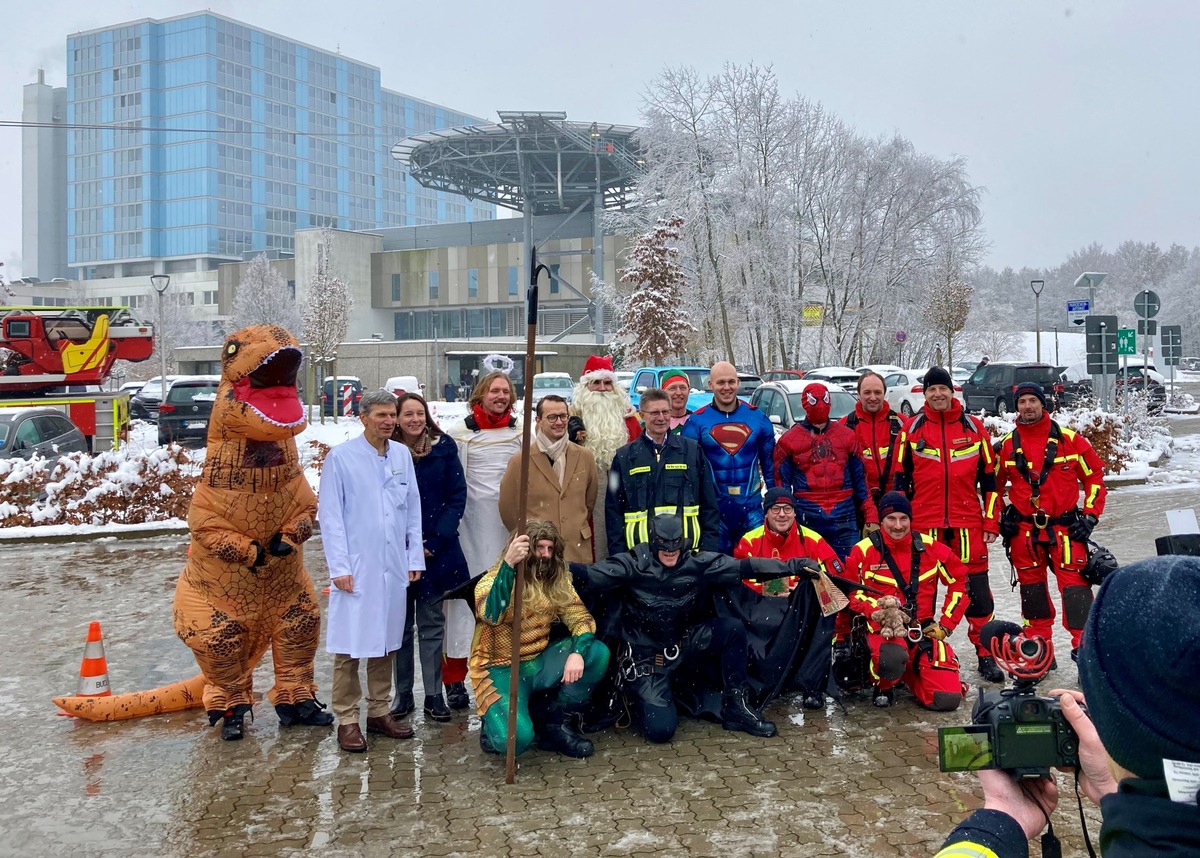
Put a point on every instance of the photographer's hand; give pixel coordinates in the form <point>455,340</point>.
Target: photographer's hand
<point>1029,801</point>
<point>1095,777</point>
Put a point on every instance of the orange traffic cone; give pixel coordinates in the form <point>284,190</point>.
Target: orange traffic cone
<point>93,673</point>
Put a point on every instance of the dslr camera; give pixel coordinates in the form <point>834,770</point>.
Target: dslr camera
<point>1012,729</point>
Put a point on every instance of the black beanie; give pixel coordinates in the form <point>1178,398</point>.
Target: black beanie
<point>937,375</point>
<point>1030,387</point>
<point>894,502</point>
<point>1139,664</point>
<point>778,496</point>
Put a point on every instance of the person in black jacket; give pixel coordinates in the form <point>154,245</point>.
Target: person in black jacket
<point>663,598</point>
<point>443,498</point>
<point>1139,752</point>
<point>660,473</point>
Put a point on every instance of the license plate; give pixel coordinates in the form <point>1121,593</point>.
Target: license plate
<point>196,424</point>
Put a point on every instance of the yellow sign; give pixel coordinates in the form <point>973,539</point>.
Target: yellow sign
<point>812,314</point>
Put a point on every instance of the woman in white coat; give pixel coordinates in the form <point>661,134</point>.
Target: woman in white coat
<point>369,509</point>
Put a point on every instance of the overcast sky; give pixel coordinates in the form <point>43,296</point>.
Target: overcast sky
<point>1081,121</point>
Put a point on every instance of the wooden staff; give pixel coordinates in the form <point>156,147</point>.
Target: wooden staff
<point>514,679</point>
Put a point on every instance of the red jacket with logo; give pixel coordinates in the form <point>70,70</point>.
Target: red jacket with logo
<point>1075,464</point>
<point>937,564</point>
<point>944,462</point>
<point>799,541</point>
<point>876,435</point>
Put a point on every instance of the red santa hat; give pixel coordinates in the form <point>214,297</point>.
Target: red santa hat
<point>598,367</point>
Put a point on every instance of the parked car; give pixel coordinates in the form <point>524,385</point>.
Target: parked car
<point>960,374</point>
<point>401,384</point>
<point>786,374</point>
<point>43,431</point>
<point>841,375</point>
<point>143,405</point>
<point>624,379</point>
<point>1151,387</point>
<point>747,384</point>
<point>131,387</point>
<point>906,391</point>
<point>653,376</point>
<point>780,401</point>
<point>558,383</point>
<point>884,369</point>
<point>1191,364</point>
<point>331,394</point>
<point>184,415</point>
<point>991,388</point>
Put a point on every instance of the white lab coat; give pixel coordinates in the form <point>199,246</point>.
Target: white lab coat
<point>484,455</point>
<point>369,509</point>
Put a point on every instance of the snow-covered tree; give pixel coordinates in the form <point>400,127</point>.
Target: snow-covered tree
<point>263,298</point>
<point>326,314</point>
<point>947,303</point>
<point>656,322</point>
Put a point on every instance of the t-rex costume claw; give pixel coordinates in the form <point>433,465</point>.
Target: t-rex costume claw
<point>245,587</point>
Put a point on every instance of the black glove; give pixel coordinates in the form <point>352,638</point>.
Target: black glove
<point>574,425</point>
<point>1081,529</point>
<point>260,556</point>
<point>278,547</point>
<point>803,567</point>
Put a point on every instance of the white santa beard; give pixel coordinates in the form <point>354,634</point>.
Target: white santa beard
<point>603,414</point>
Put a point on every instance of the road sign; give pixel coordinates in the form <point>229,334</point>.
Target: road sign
<point>901,337</point>
<point>1146,304</point>
<point>1101,345</point>
<point>1172,344</point>
<point>1076,312</point>
<point>1148,327</point>
<point>1126,341</point>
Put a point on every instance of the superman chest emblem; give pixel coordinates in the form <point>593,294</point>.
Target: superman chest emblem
<point>731,437</point>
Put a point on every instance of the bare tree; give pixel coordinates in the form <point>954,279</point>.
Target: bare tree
<point>264,298</point>
<point>326,316</point>
<point>947,305</point>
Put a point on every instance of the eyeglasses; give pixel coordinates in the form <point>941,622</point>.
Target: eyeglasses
<point>554,418</point>
<point>656,413</point>
<point>783,508</point>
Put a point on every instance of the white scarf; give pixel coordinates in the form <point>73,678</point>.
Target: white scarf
<point>557,451</point>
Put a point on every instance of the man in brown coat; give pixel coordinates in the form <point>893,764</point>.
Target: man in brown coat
<point>562,482</point>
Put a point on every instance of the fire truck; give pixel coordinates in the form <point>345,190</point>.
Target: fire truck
<point>48,355</point>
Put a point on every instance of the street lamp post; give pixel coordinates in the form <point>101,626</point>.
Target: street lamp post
<point>160,282</point>
<point>1037,286</point>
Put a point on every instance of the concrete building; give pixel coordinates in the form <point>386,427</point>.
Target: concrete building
<point>200,140</point>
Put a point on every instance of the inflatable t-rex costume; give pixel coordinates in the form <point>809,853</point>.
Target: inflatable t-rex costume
<point>244,587</point>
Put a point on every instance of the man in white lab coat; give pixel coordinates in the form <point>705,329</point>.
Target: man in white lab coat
<point>369,510</point>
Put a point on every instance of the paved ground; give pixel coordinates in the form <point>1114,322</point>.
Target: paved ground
<point>862,784</point>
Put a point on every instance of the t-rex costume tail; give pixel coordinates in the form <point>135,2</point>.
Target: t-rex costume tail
<point>245,587</point>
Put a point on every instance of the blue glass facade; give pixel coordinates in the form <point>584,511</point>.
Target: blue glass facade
<point>214,139</point>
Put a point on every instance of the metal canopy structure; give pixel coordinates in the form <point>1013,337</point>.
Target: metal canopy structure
<point>536,163</point>
<point>539,157</point>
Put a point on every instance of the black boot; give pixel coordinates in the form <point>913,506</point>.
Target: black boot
<point>989,670</point>
<point>309,713</point>
<point>435,709</point>
<point>456,695</point>
<point>403,706</point>
<point>233,726</point>
<point>560,734</point>
<point>813,701</point>
<point>738,714</point>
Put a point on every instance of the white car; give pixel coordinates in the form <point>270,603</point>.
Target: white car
<point>780,401</point>
<point>558,383</point>
<point>843,376</point>
<point>906,391</point>
<point>624,379</point>
<point>884,369</point>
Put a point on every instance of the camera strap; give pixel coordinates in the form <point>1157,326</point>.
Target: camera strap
<point>909,587</point>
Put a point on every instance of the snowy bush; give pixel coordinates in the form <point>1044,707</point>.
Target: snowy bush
<point>1114,437</point>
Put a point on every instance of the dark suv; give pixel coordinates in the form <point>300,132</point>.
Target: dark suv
<point>992,387</point>
<point>189,404</point>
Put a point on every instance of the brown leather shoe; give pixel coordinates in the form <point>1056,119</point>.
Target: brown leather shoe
<point>351,739</point>
<point>390,727</point>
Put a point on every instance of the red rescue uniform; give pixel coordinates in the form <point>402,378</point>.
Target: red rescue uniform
<point>799,541</point>
<point>877,434</point>
<point>945,464</point>
<point>1043,466</point>
<point>930,666</point>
